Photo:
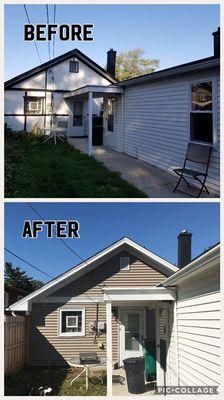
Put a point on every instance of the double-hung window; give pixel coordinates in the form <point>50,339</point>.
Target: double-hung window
<point>201,113</point>
<point>72,322</point>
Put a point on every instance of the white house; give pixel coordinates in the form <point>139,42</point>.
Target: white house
<point>126,293</point>
<point>152,117</point>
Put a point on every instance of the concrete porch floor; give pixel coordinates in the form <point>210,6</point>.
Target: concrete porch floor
<point>121,389</point>
<point>149,179</point>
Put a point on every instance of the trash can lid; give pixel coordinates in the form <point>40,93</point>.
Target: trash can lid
<point>133,360</point>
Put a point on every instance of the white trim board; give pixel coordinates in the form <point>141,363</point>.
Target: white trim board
<point>138,294</point>
<point>90,264</point>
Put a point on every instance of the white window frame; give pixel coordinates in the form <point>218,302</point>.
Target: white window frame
<point>128,266</point>
<point>67,321</point>
<point>61,310</point>
<point>33,102</point>
<point>213,112</point>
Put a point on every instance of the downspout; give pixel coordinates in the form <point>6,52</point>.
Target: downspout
<point>123,98</point>
<point>45,105</point>
<point>25,105</point>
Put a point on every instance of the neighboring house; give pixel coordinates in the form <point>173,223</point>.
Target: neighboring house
<point>152,117</point>
<point>109,303</point>
<point>13,294</point>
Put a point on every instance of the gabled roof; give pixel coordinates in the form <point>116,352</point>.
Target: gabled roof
<point>204,262</point>
<point>93,262</point>
<point>43,67</point>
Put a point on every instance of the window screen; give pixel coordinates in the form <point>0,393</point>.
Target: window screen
<point>73,66</point>
<point>124,263</point>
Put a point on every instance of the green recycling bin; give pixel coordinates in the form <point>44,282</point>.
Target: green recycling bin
<point>150,359</point>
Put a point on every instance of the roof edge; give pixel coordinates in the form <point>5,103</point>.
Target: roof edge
<point>197,64</point>
<point>86,263</point>
<point>49,64</point>
<point>204,261</point>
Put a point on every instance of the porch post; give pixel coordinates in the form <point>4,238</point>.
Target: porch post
<point>158,367</point>
<point>109,348</point>
<point>90,112</point>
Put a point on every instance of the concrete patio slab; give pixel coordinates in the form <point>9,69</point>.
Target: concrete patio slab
<point>154,182</point>
<point>121,389</point>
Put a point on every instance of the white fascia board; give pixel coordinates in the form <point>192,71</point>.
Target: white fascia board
<point>85,267</point>
<point>130,294</point>
<point>94,89</point>
<point>153,256</point>
<point>203,263</point>
<point>67,299</point>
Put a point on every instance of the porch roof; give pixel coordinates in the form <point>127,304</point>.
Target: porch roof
<point>128,294</point>
<point>96,90</point>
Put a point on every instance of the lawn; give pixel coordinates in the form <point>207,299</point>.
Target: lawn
<point>37,169</point>
<point>20,382</point>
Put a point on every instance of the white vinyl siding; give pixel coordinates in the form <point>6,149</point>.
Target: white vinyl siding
<point>157,123</point>
<point>198,331</point>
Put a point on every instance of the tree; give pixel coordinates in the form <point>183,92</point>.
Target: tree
<point>18,278</point>
<point>131,63</point>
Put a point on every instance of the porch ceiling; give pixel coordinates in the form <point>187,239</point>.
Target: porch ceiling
<point>96,90</point>
<point>127,294</point>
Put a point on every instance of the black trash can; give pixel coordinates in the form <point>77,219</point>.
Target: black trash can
<point>97,139</point>
<point>134,368</point>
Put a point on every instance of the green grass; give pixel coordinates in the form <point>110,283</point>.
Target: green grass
<point>37,169</point>
<point>18,383</point>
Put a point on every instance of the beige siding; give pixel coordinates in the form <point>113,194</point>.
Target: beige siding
<point>47,347</point>
<point>198,331</point>
<point>109,274</point>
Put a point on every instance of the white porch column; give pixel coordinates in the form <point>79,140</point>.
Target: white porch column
<point>90,112</point>
<point>109,348</point>
<point>158,366</point>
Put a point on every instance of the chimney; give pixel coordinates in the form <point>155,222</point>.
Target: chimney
<point>111,62</point>
<point>184,248</point>
<point>217,43</point>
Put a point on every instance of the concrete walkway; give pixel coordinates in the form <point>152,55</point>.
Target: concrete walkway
<point>121,389</point>
<point>149,179</point>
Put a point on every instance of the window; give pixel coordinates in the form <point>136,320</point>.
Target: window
<point>78,113</point>
<point>73,66</point>
<point>110,121</point>
<point>124,263</point>
<point>201,115</point>
<point>33,105</point>
<point>72,322</point>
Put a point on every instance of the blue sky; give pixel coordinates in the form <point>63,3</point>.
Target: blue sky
<point>174,34</point>
<point>153,225</point>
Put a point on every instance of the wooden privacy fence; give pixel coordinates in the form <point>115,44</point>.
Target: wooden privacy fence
<point>15,342</point>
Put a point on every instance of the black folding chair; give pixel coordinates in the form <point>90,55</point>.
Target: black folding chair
<point>196,154</point>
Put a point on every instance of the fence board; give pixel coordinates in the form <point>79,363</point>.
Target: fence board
<point>15,342</point>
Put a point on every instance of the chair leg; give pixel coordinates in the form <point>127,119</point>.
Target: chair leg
<point>202,187</point>
<point>174,190</point>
